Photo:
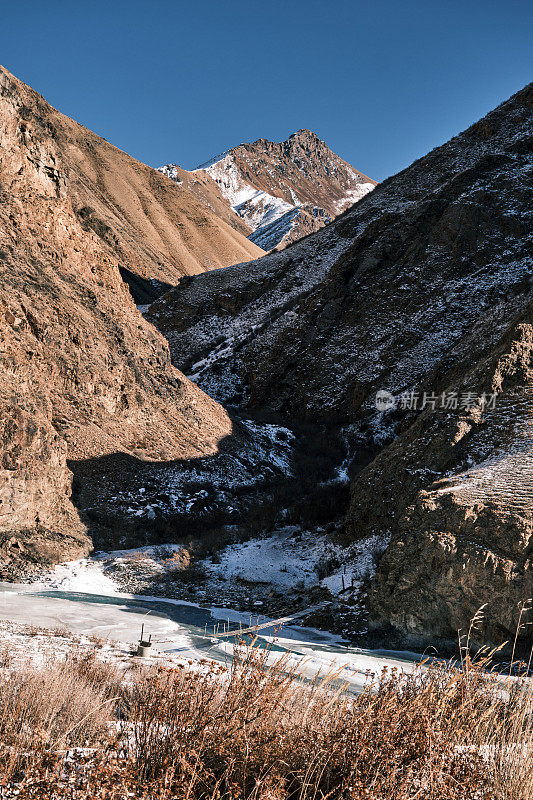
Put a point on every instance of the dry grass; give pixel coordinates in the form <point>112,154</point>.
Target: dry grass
<point>59,702</point>
<point>259,733</point>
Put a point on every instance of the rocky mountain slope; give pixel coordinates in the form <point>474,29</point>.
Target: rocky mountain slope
<point>85,381</point>
<point>277,191</point>
<point>424,286</point>
<point>156,229</point>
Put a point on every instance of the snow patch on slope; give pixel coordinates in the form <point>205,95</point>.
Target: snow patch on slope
<point>257,208</point>
<point>296,559</point>
<point>262,209</point>
<point>85,575</point>
<point>229,179</point>
<point>270,235</point>
<point>171,171</point>
<point>353,196</point>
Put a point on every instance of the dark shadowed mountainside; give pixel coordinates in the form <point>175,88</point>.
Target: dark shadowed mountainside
<point>424,286</point>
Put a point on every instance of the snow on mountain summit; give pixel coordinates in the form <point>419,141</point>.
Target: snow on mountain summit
<point>280,190</point>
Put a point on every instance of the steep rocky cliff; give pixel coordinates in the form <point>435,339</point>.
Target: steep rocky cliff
<point>280,191</point>
<point>82,374</point>
<point>424,286</point>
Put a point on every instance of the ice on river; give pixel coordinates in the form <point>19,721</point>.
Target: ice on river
<point>81,599</point>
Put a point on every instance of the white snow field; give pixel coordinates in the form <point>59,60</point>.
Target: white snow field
<point>291,557</point>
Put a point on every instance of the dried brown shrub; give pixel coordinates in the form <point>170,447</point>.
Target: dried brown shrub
<point>262,733</point>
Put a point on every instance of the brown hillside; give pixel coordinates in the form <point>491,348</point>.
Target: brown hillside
<point>82,375</point>
<point>156,228</point>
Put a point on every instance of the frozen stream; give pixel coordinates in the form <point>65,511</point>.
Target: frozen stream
<point>186,630</point>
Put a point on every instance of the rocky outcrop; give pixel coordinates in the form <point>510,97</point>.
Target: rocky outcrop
<point>463,499</point>
<point>279,191</point>
<point>37,521</point>
<point>423,287</point>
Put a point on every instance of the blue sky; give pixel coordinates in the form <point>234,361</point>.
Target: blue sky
<point>381,82</point>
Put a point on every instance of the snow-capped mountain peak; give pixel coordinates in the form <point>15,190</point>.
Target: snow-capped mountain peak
<point>280,190</point>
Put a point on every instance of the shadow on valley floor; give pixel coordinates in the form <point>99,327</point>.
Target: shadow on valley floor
<point>264,474</point>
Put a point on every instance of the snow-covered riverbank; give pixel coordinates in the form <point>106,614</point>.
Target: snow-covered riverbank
<point>79,598</point>
<point>290,569</point>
